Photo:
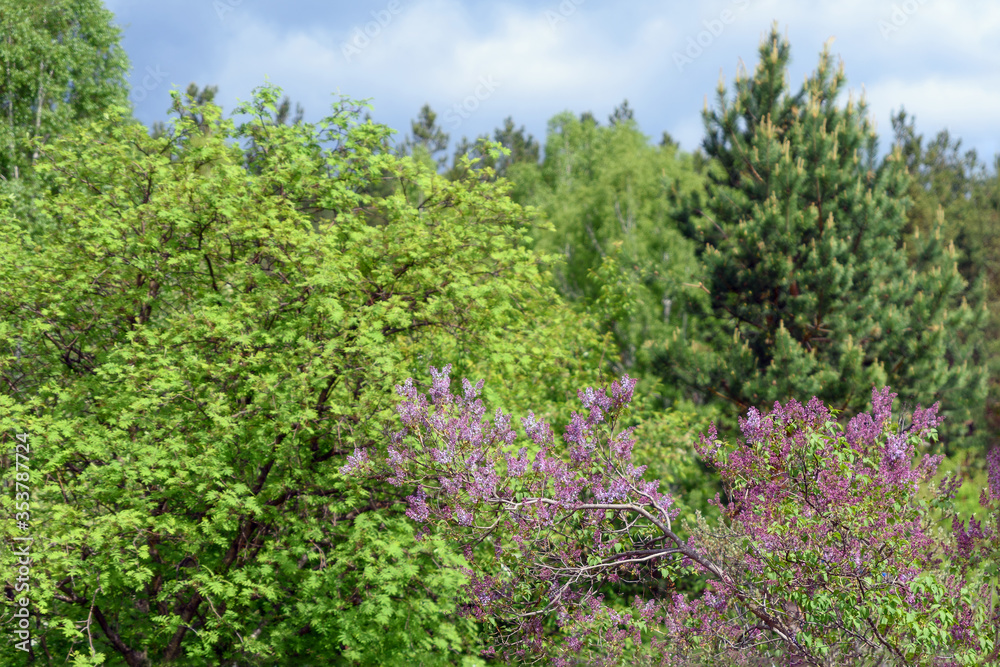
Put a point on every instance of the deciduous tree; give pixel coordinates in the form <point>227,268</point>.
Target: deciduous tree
<point>193,355</point>
<point>61,63</point>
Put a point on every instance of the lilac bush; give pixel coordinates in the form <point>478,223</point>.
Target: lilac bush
<point>831,546</point>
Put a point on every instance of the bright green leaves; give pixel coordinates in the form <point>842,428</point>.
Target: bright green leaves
<point>203,338</point>
<point>62,64</point>
<point>613,202</point>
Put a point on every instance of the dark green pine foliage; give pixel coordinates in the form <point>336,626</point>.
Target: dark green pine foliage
<point>428,142</point>
<point>622,114</point>
<point>810,287</point>
<point>522,149</point>
<point>947,182</point>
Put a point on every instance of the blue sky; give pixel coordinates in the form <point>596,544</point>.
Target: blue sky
<point>477,62</point>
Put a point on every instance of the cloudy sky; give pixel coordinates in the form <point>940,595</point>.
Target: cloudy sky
<point>477,62</point>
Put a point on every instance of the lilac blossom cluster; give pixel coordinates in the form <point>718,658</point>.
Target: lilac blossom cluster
<point>825,552</point>
<point>836,515</point>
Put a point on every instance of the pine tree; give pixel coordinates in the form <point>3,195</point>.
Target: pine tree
<point>946,180</point>
<point>429,141</point>
<point>623,113</point>
<point>523,149</point>
<point>808,277</point>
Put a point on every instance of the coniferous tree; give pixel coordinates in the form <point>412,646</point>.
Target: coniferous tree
<point>808,278</point>
<point>957,188</point>
<point>428,141</point>
<point>622,113</point>
<point>521,146</point>
<point>473,150</point>
<point>666,140</point>
<point>283,115</point>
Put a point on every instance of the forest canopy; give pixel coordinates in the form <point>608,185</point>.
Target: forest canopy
<point>221,444</point>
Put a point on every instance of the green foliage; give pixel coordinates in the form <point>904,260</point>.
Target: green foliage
<point>197,346</point>
<point>613,201</point>
<point>61,63</point>
<point>521,150</point>
<point>609,205</point>
<point>198,327</point>
<point>956,191</point>
<point>808,278</point>
<point>429,142</point>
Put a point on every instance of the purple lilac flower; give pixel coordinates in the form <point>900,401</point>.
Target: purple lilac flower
<point>622,444</point>
<point>621,391</point>
<point>442,456</point>
<point>965,540</point>
<point>440,385</point>
<point>993,473</point>
<point>617,490</point>
<point>418,510</point>
<point>895,447</point>
<point>761,481</point>
<point>753,427</point>
<point>882,405</point>
<point>517,465</point>
<point>539,432</point>
<point>925,419</point>
<point>471,392</point>
<point>355,462</point>
<point>463,516</point>
<point>577,431</point>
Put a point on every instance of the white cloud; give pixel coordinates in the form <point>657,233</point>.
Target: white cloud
<point>435,50</point>
<point>940,63</point>
<point>937,102</point>
<point>439,49</point>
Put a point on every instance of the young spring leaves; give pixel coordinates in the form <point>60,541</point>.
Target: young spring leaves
<point>197,341</point>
